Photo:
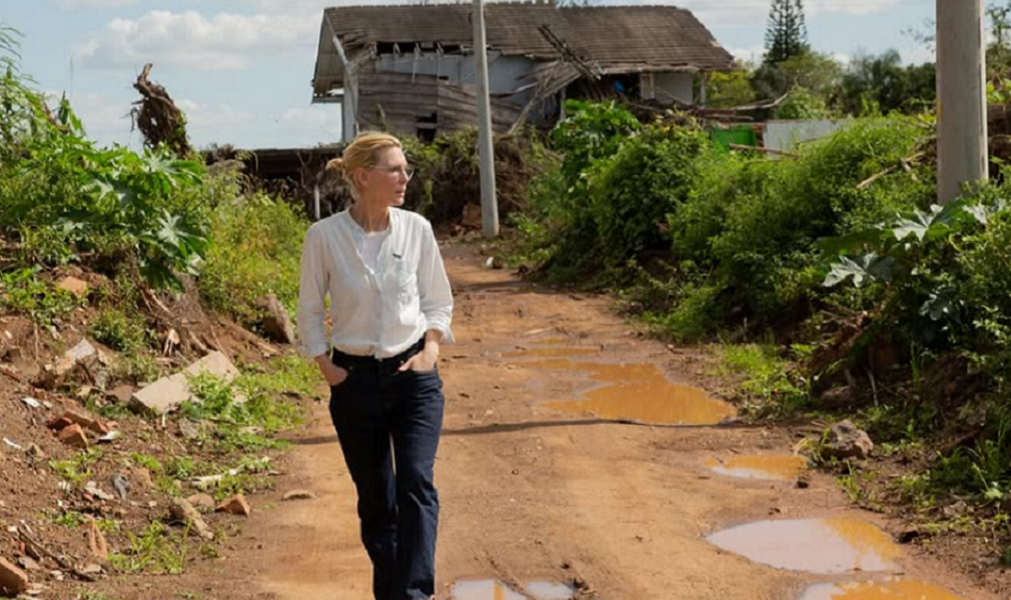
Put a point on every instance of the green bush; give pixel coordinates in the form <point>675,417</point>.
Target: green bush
<point>119,331</point>
<point>255,249</point>
<point>63,199</point>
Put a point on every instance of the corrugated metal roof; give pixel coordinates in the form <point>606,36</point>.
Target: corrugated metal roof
<point>619,37</point>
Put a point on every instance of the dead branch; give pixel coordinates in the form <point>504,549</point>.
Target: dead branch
<point>158,118</point>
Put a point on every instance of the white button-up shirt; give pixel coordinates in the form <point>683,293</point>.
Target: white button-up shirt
<point>377,313</point>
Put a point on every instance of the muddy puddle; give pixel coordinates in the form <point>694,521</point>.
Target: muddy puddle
<point>779,467</point>
<point>635,392</point>
<point>892,589</point>
<point>825,546</point>
<point>496,590</point>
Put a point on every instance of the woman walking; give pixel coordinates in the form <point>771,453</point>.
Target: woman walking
<point>391,308</point>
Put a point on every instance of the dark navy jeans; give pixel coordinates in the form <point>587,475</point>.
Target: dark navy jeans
<point>388,424</point>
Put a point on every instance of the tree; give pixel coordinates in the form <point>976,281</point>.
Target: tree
<point>882,84</point>
<point>786,34</point>
<point>816,72</point>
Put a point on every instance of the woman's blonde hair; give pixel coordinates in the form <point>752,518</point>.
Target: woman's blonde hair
<point>362,153</point>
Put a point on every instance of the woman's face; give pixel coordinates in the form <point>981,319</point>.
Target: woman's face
<point>386,182</point>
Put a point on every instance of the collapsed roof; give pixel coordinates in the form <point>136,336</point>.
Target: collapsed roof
<point>615,39</point>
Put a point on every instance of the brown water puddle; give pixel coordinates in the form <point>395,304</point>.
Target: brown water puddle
<point>825,546</point>
<point>638,392</point>
<point>551,352</point>
<point>483,590</point>
<point>891,589</point>
<point>759,467</point>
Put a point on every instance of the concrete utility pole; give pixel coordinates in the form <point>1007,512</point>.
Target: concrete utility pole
<point>961,97</point>
<point>485,145</point>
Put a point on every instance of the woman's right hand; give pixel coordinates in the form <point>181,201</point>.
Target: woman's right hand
<point>333,374</point>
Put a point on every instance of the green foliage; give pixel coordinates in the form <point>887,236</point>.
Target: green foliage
<point>801,103</point>
<point>729,89</point>
<point>156,550</point>
<point>786,32</point>
<point>752,226</point>
<point>818,73</point>
<point>767,383</point>
<point>21,291</point>
<point>63,199</point>
<point>881,85</point>
<point>77,470</point>
<point>120,331</point>
<point>632,191</point>
<point>255,249</point>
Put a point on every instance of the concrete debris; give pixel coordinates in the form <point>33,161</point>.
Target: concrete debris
<point>121,393</point>
<point>31,402</point>
<point>169,392</point>
<point>81,352</point>
<point>182,510</point>
<point>110,437</point>
<point>92,488</point>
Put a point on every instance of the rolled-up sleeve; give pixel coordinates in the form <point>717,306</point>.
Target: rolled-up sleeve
<point>312,294</point>
<point>433,285</point>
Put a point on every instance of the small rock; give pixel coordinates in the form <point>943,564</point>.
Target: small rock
<point>36,452</point>
<point>845,440</point>
<point>202,502</point>
<point>121,485</point>
<point>31,402</point>
<point>182,510</point>
<point>235,505</point>
<point>13,445</point>
<point>956,509</point>
<point>276,322</point>
<point>189,429</point>
<point>83,393</point>
<point>120,393</point>
<point>13,580</point>
<point>143,477</point>
<point>73,436</point>
<point>837,397</point>
<point>28,563</point>
<point>74,285</point>
<point>92,488</point>
<point>299,495</point>
<point>91,569</point>
<point>59,423</point>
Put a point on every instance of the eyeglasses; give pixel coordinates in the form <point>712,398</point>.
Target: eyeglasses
<point>408,171</point>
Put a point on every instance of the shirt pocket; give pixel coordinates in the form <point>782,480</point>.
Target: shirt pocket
<point>408,300</point>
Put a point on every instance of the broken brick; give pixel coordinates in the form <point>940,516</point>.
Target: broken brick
<point>13,581</point>
<point>74,436</point>
<point>235,505</point>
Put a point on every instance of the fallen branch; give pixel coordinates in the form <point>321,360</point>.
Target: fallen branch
<point>43,551</point>
<point>765,150</point>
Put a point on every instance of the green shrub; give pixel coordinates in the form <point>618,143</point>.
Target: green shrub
<point>121,332</point>
<point>255,249</point>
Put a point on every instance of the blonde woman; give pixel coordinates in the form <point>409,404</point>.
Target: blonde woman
<point>391,308</point>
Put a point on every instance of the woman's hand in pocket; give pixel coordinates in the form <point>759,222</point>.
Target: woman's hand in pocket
<point>333,374</point>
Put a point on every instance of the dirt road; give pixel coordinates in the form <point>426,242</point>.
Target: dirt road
<point>532,493</point>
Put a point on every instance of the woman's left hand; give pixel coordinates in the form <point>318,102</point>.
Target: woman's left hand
<point>423,361</point>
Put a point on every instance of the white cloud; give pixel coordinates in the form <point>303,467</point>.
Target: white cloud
<point>94,3</point>
<point>192,41</point>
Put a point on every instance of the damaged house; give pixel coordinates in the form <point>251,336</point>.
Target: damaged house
<point>410,68</point>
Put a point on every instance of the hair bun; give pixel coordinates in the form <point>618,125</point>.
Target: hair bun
<point>336,164</point>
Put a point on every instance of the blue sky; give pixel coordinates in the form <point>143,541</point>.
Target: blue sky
<point>242,68</point>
